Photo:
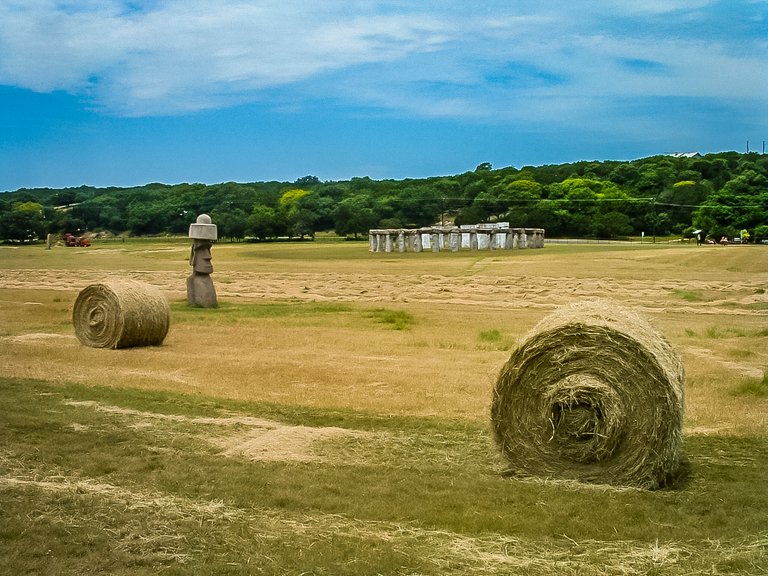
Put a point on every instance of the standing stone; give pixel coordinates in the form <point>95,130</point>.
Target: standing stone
<point>454,240</point>
<point>417,245</point>
<point>509,239</point>
<point>434,240</point>
<point>401,240</point>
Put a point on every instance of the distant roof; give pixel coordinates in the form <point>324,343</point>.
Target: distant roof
<point>685,155</point>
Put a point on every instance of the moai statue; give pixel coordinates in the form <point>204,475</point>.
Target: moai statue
<point>200,290</point>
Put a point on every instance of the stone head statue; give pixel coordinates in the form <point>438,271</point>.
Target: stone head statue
<point>203,232</point>
<point>200,289</point>
<point>200,258</point>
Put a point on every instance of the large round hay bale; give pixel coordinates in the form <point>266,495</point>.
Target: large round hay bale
<point>593,393</point>
<point>121,314</point>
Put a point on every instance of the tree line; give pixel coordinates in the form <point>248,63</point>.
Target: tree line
<point>721,193</point>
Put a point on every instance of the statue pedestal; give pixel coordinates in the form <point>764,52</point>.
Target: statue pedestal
<point>200,291</point>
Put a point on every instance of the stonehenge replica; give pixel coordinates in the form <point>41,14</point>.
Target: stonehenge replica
<point>498,236</point>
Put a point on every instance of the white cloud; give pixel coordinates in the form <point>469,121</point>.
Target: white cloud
<point>533,61</point>
<point>194,54</point>
<point>655,7</point>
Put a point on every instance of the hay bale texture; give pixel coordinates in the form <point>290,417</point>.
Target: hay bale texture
<point>121,314</point>
<point>595,394</point>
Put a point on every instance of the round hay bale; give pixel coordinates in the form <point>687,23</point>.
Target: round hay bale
<point>593,393</point>
<point>121,314</point>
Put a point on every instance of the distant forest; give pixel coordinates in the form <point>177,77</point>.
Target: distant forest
<point>721,194</point>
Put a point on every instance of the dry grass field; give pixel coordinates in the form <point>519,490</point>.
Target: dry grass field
<point>323,355</point>
<point>465,311</point>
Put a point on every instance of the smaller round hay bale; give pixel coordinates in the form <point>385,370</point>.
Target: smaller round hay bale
<point>121,314</point>
<point>593,393</point>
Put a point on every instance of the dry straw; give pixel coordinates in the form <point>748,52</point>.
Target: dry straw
<point>593,393</point>
<point>121,314</point>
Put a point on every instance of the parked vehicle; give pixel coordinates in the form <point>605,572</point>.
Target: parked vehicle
<point>75,241</point>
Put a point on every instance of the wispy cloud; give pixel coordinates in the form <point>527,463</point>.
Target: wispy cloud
<point>534,62</point>
<point>186,55</point>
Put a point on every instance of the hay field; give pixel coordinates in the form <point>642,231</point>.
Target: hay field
<point>710,302</point>
<point>322,356</point>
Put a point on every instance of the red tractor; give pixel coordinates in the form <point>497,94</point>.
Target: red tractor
<point>75,241</point>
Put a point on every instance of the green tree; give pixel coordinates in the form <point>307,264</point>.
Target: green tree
<point>418,206</point>
<point>315,213</point>
<point>232,224</point>
<point>511,198</point>
<point>611,224</point>
<point>354,215</point>
<point>681,200</point>
<point>22,221</point>
<point>149,218</point>
<point>298,222</point>
<point>575,201</point>
<point>291,197</point>
<point>307,181</point>
<point>448,190</point>
<point>494,201</point>
<point>262,222</point>
<point>471,215</point>
<point>60,220</point>
<point>761,233</point>
<point>741,203</point>
<point>526,196</point>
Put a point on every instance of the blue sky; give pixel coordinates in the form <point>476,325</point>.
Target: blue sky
<point>112,92</point>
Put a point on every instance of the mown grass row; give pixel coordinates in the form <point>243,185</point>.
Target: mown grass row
<point>105,480</point>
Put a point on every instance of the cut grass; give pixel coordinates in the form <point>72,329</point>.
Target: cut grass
<point>139,488</point>
<point>753,387</point>
<point>126,480</point>
<point>494,340</point>
<point>395,319</point>
<point>688,295</point>
<point>234,312</point>
<point>231,313</point>
<point>717,332</point>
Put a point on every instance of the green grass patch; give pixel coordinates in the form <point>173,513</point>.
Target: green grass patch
<point>754,387</point>
<point>748,306</point>
<point>232,312</point>
<point>395,319</point>
<point>717,332</point>
<point>305,312</point>
<point>688,295</point>
<point>741,353</point>
<point>490,336</point>
<point>493,340</point>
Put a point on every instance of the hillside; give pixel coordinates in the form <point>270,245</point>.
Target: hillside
<point>721,194</point>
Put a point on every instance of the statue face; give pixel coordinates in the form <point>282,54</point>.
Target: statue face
<point>201,257</point>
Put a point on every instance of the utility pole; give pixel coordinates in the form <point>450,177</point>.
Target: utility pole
<point>442,210</point>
